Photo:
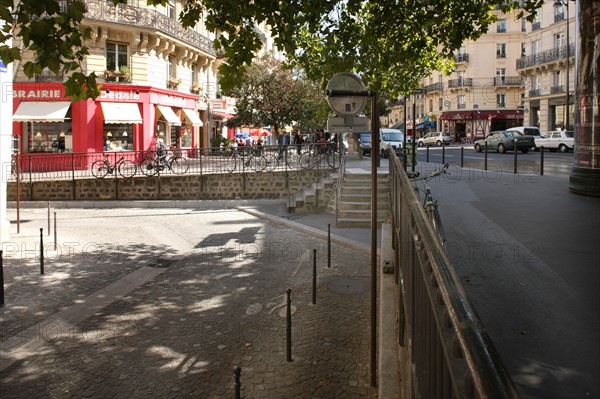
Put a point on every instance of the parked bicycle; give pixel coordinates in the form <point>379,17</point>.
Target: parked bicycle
<point>103,167</point>
<point>162,161</point>
<point>430,204</point>
<point>318,155</point>
<point>246,158</point>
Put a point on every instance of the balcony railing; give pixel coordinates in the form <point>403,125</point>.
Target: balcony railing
<point>461,57</point>
<point>508,81</point>
<point>535,93</point>
<point>536,26</point>
<point>48,76</point>
<point>464,82</point>
<point>557,89</point>
<point>101,10</point>
<point>439,86</point>
<point>544,57</point>
<point>559,16</point>
<point>461,106</point>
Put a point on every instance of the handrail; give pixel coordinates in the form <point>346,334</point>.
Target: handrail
<point>338,194</point>
<point>451,353</point>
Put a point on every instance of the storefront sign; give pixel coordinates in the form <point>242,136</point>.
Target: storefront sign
<point>38,94</point>
<point>172,101</point>
<point>120,95</point>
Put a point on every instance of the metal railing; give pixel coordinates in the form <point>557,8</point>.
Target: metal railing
<point>71,166</point>
<point>547,56</point>
<point>451,355</point>
<point>141,17</point>
<point>508,81</point>
<point>461,82</point>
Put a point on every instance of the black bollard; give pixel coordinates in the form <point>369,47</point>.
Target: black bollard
<point>443,154</point>
<point>427,154</point>
<point>485,156</point>
<point>237,372</point>
<point>542,161</point>
<point>288,332</point>
<point>41,250</point>
<point>328,245</point>
<point>515,160</point>
<point>462,157</point>
<point>55,231</point>
<point>48,218</point>
<point>314,291</point>
<point>1,279</point>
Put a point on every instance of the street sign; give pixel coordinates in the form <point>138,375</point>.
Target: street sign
<point>346,105</point>
<point>348,124</point>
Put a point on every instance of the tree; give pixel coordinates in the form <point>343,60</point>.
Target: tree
<point>270,94</point>
<point>390,45</point>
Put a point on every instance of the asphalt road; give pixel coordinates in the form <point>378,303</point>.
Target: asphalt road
<point>555,163</point>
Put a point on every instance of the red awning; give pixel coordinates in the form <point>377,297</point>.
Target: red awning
<point>222,115</point>
<point>464,115</point>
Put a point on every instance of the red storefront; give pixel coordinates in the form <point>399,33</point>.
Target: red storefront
<point>123,118</point>
<point>474,125</point>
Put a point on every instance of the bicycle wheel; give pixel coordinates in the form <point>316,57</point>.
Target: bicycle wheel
<point>100,169</point>
<point>230,163</point>
<point>308,160</point>
<point>334,159</point>
<point>148,166</point>
<point>257,163</point>
<point>272,161</point>
<point>437,224</point>
<point>127,169</point>
<point>179,165</point>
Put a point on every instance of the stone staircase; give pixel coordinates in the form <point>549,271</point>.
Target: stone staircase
<point>354,204</point>
<point>316,196</point>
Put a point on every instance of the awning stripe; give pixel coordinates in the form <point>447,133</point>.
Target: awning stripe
<point>222,115</point>
<point>121,112</point>
<point>41,111</point>
<point>193,117</point>
<point>169,115</point>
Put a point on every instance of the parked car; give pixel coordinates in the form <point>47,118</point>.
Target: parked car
<point>435,138</point>
<point>391,140</point>
<point>532,131</point>
<point>364,140</point>
<point>556,140</point>
<point>504,140</point>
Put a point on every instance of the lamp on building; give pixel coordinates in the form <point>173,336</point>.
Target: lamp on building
<point>161,134</point>
<point>124,134</point>
<point>62,134</point>
<point>560,3</point>
<point>109,134</point>
<point>38,134</point>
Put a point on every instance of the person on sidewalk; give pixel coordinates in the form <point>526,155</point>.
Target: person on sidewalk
<point>283,141</point>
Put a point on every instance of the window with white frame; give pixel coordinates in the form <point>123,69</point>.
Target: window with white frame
<point>501,26</point>
<point>501,50</point>
<point>501,100</point>
<point>461,101</point>
<point>171,70</point>
<point>559,40</point>
<point>116,56</point>
<point>170,10</point>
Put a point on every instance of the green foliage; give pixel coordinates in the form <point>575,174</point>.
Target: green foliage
<point>271,95</point>
<point>391,44</point>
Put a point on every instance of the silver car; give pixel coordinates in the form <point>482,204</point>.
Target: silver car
<point>435,138</point>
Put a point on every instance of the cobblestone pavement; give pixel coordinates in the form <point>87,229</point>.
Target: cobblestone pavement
<point>153,303</point>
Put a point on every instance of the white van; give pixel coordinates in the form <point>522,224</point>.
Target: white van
<point>390,140</point>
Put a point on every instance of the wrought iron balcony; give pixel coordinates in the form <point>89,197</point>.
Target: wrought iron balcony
<point>106,11</point>
<point>461,106</point>
<point>508,81</point>
<point>48,76</point>
<point>439,86</point>
<point>557,89</point>
<point>544,57</point>
<point>559,16</point>
<point>535,93</point>
<point>465,82</point>
<point>536,26</point>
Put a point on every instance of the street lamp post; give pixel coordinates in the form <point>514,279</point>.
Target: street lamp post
<point>560,3</point>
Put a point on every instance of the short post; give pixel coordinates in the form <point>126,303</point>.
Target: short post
<point>542,161</point>
<point>427,152</point>
<point>485,156</point>
<point>288,332</point>
<point>443,154</point>
<point>48,218</point>
<point>314,282</point>
<point>237,372</point>
<point>328,245</point>
<point>55,231</point>
<point>515,159</point>
<point>1,279</point>
<point>41,250</point>
<point>462,157</point>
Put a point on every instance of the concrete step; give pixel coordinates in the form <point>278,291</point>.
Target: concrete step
<point>349,205</point>
<point>357,222</point>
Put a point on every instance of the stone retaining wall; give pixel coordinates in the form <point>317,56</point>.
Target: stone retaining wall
<point>264,185</point>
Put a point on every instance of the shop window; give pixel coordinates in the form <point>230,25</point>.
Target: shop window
<point>118,137</point>
<point>186,137</point>
<point>48,136</point>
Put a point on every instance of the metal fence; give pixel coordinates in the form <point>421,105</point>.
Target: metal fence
<point>451,355</point>
<point>32,167</point>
